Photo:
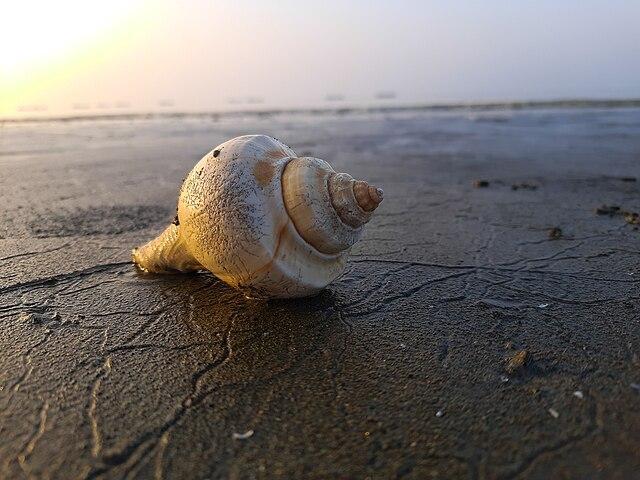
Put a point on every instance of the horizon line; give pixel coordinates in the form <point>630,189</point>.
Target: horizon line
<point>569,103</point>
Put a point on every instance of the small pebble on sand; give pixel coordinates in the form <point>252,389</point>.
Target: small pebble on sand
<point>632,218</point>
<point>554,413</point>
<point>439,413</point>
<point>555,233</point>
<point>516,361</point>
<point>578,394</point>
<point>608,210</point>
<point>524,186</point>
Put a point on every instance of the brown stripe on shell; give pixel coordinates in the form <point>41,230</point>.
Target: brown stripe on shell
<point>276,154</point>
<point>263,171</point>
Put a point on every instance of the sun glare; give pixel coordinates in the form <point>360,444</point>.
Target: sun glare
<point>40,39</point>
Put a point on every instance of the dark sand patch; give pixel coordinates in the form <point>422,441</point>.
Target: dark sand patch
<point>104,220</point>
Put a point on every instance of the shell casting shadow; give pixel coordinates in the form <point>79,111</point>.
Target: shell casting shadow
<point>263,220</point>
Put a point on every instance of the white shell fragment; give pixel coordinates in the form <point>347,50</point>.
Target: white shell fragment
<point>263,220</point>
<point>242,436</point>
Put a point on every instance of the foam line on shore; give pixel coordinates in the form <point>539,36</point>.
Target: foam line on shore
<point>444,107</point>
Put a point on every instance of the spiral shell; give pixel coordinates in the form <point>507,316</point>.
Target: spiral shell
<point>263,220</point>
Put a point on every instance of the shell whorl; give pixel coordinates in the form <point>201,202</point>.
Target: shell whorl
<point>328,209</point>
<point>353,200</point>
<point>367,196</point>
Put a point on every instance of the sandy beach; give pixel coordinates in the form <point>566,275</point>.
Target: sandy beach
<point>487,327</point>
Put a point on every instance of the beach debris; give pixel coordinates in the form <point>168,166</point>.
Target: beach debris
<point>578,394</point>
<point>39,318</point>
<point>554,413</point>
<point>543,305</point>
<point>504,378</point>
<point>610,210</point>
<point>481,183</point>
<point>267,222</point>
<point>554,233</point>
<point>635,386</point>
<point>242,436</point>
<point>632,218</point>
<point>516,361</point>
<point>439,413</point>
<point>524,186</point>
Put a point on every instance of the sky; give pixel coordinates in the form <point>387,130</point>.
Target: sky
<point>85,57</point>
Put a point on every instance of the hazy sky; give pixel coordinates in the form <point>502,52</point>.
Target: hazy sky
<point>82,56</point>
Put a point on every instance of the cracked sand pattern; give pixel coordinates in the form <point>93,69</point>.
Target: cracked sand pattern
<point>106,373</point>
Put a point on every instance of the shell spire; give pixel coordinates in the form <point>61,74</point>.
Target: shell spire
<point>367,196</point>
<point>353,200</point>
<point>327,208</point>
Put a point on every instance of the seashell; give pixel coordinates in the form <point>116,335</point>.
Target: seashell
<point>263,220</point>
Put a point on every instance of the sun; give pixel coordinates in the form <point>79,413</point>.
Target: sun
<point>39,39</point>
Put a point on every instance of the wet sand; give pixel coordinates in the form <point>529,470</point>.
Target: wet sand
<point>467,339</point>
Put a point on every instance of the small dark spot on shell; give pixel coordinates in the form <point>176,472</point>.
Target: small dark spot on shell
<point>216,153</point>
<point>176,220</point>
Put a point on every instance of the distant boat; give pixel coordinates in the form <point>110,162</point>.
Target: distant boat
<point>386,95</point>
<point>32,108</point>
<point>167,102</point>
<point>334,97</point>
<point>252,100</point>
